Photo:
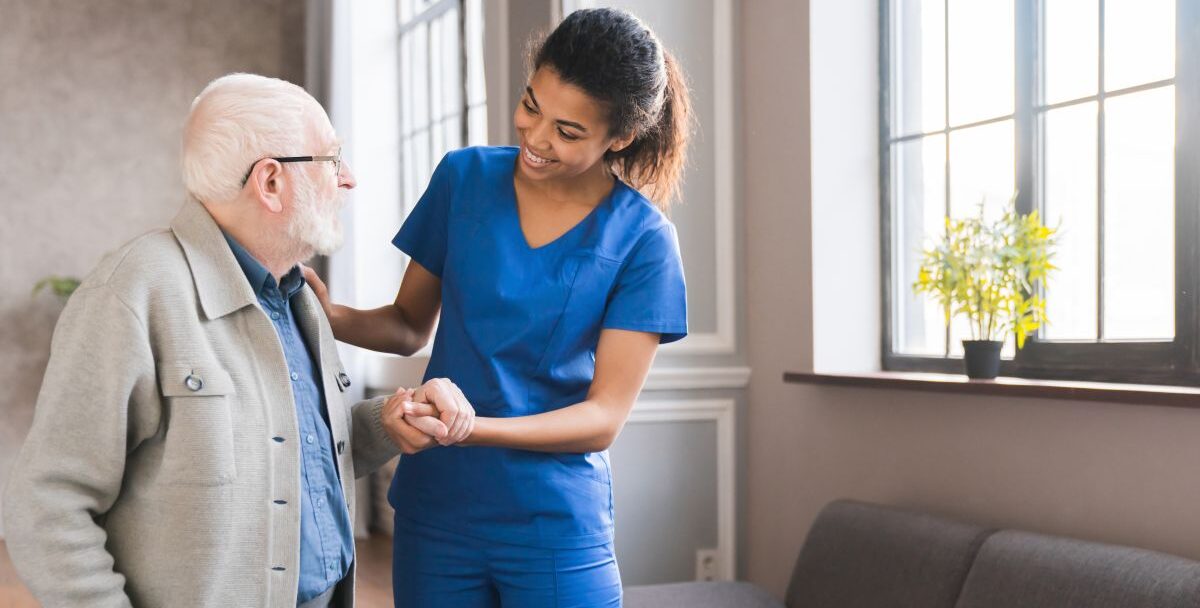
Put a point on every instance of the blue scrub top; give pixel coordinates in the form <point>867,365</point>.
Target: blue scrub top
<point>518,335</point>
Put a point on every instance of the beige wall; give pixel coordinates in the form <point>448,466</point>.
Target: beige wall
<point>92,95</point>
<point>1119,473</point>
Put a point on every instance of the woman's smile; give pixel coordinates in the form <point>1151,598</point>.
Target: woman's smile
<point>533,160</point>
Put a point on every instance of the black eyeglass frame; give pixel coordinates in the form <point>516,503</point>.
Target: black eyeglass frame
<point>335,159</point>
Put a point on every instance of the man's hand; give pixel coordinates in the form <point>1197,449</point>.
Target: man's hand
<point>412,426</point>
<point>454,412</point>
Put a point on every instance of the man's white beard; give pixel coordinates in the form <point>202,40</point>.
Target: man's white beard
<point>315,221</point>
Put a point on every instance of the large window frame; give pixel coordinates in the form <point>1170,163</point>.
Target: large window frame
<point>443,100</point>
<point>1147,362</point>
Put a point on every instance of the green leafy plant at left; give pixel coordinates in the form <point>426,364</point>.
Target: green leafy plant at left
<point>62,287</point>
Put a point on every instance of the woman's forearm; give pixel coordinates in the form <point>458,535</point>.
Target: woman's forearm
<point>588,426</point>
<point>384,329</point>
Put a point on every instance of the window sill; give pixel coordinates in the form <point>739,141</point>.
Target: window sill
<point>1137,394</point>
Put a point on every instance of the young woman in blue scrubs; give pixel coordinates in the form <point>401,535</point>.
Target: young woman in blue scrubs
<point>557,276</point>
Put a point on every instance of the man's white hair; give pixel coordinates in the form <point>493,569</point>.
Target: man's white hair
<point>236,120</point>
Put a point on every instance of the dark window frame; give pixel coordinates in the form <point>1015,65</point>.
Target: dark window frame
<point>440,118</point>
<point>1154,362</point>
<point>424,16</point>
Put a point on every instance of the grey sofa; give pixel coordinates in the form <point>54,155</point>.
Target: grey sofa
<point>860,555</point>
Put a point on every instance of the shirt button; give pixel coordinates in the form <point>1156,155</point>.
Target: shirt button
<point>275,316</point>
<point>331,566</point>
<point>320,502</point>
<point>295,376</point>
<point>310,439</point>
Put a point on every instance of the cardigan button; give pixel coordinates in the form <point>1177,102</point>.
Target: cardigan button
<point>341,446</point>
<point>193,382</point>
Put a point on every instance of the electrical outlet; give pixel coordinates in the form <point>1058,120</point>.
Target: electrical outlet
<point>708,562</point>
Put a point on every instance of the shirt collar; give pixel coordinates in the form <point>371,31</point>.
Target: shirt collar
<point>220,284</point>
<point>261,280</point>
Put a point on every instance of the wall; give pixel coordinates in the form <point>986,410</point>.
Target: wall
<point>94,95</point>
<point>1109,472</point>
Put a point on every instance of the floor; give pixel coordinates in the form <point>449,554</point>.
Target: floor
<point>374,577</point>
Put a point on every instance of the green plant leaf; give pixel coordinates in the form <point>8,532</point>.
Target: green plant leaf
<point>62,287</point>
<point>991,272</point>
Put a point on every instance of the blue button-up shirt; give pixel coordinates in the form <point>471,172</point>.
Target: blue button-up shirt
<point>326,540</point>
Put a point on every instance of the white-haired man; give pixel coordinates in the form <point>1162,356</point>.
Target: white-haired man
<point>190,445</point>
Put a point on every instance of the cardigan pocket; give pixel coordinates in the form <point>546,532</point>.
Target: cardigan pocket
<point>198,443</point>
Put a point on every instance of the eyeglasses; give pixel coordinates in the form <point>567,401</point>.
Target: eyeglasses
<point>336,160</point>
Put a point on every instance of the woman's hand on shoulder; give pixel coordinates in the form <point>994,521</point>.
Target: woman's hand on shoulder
<point>322,292</point>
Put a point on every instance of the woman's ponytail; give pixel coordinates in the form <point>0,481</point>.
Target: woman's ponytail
<point>654,162</point>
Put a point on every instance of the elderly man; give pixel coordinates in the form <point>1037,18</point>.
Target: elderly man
<point>191,446</point>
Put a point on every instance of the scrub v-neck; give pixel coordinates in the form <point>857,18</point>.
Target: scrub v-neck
<point>515,215</point>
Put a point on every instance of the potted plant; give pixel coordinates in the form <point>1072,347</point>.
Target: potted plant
<point>993,273</point>
<point>62,287</point>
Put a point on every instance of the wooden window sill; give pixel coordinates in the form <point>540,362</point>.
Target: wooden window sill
<point>1136,394</point>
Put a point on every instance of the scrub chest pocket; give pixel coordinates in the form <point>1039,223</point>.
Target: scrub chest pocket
<point>526,309</point>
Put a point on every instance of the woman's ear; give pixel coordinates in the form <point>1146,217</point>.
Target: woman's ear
<point>623,142</point>
<point>266,183</point>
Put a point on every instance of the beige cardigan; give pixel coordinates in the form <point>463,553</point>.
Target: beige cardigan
<point>165,433</point>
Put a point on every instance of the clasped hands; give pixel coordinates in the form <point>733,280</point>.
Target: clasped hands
<point>436,413</point>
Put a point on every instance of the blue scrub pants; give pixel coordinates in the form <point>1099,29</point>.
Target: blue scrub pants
<point>433,568</point>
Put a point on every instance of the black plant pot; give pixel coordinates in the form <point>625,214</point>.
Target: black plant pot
<point>982,358</point>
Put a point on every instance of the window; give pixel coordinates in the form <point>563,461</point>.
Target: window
<point>443,103</point>
<point>1084,108</point>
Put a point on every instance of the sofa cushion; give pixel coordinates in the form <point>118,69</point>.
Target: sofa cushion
<point>699,595</point>
<point>860,555</point>
<point>1030,570</point>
